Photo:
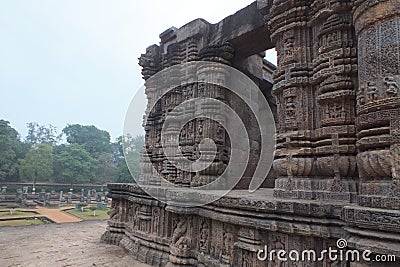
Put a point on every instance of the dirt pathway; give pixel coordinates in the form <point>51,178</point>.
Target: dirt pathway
<point>61,245</point>
<point>57,215</point>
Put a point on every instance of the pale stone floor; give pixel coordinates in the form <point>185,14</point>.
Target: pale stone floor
<point>67,244</point>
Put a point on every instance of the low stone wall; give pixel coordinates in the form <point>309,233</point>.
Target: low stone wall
<point>232,230</point>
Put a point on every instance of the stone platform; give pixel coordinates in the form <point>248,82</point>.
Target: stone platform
<point>230,231</point>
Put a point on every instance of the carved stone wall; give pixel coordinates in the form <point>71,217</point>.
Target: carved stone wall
<point>232,230</point>
<point>194,131</point>
<point>200,41</point>
<point>337,160</point>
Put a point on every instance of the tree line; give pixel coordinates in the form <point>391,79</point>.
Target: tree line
<point>79,154</point>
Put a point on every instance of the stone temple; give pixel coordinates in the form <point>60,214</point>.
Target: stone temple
<point>335,97</point>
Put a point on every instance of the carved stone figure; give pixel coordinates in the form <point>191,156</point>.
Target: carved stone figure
<point>227,244</point>
<point>335,110</point>
<point>360,96</point>
<point>290,108</point>
<point>392,86</point>
<point>156,220</point>
<point>204,236</point>
<point>372,91</point>
<point>180,237</point>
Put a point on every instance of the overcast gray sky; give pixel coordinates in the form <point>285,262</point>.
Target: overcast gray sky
<point>75,61</point>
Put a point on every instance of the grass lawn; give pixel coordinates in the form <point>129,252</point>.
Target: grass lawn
<point>87,214</point>
<point>6,213</point>
<point>22,222</point>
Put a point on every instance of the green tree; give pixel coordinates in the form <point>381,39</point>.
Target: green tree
<point>37,164</point>
<point>132,147</point>
<point>73,164</point>
<point>106,169</point>
<point>11,149</point>
<point>94,140</point>
<point>40,134</point>
<point>123,174</point>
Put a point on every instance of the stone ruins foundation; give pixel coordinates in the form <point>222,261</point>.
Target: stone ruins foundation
<point>335,95</point>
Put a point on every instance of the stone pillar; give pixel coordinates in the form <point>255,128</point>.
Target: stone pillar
<point>150,63</point>
<point>193,132</point>
<point>294,159</point>
<point>334,78</point>
<point>314,88</point>
<point>212,128</point>
<point>377,25</point>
